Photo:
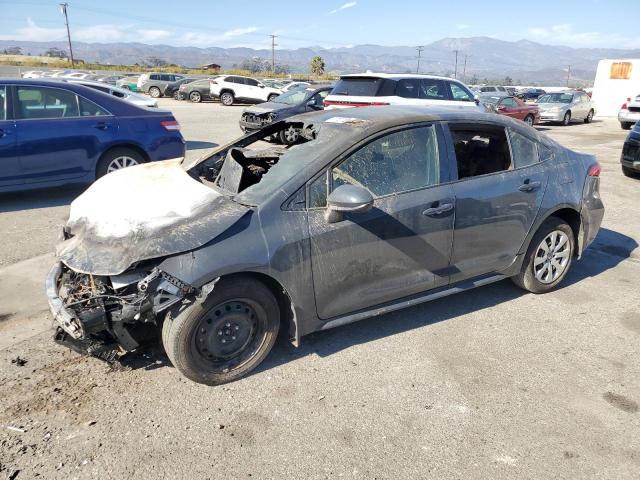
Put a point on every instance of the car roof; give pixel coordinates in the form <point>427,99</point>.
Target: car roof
<point>396,76</point>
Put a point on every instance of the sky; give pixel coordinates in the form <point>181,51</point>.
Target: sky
<point>326,23</point>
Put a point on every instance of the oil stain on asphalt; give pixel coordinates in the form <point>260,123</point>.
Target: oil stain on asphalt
<point>620,401</point>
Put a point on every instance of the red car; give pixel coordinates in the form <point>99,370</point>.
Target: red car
<point>515,108</point>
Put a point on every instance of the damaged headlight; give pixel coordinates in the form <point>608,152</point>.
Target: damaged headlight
<point>272,116</point>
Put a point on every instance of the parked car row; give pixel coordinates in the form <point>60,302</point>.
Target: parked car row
<point>110,79</point>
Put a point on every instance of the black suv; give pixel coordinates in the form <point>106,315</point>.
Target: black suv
<point>630,157</point>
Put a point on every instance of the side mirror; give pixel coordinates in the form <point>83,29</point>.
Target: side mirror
<point>261,85</point>
<point>476,98</point>
<point>347,199</point>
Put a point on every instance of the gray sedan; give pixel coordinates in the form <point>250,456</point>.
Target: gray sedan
<point>566,107</point>
<point>375,210</point>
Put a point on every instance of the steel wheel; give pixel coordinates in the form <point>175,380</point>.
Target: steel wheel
<point>121,162</point>
<point>154,92</point>
<point>552,257</point>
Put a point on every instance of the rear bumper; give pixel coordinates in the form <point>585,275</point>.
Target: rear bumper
<point>592,212</point>
<point>625,116</point>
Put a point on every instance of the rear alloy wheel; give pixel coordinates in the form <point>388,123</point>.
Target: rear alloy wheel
<point>529,120</point>
<point>290,135</point>
<point>117,159</point>
<point>195,97</point>
<point>227,99</point>
<point>589,118</point>
<point>567,119</point>
<point>223,337</point>
<point>548,257</point>
<point>154,92</point>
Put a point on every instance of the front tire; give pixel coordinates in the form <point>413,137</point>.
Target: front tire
<point>289,136</point>
<point>567,119</point>
<point>227,99</point>
<point>225,336</point>
<point>154,92</point>
<point>529,120</point>
<point>548,258</point>
<point>117,159</point>
<point>271,97</point>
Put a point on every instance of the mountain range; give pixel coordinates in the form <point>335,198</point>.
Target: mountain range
<point>524,61</point>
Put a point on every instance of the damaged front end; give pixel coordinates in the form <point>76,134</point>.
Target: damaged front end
<point>106,316</point>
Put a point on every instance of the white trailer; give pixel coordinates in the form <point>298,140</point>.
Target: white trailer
<point>616,81</point>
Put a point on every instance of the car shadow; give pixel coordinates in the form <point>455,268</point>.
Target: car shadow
<point>607,251</point>
<point>34,199</point>
<point>200,145</point>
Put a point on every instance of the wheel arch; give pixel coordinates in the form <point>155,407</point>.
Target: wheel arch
<point>132,146</point>
<point>567,213</point>
<point>288,318</point>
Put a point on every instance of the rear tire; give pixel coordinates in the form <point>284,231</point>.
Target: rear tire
<point>154,92</point>
<point>225,336</point>
<point>567,119</point>
<point>589,118</point>
<point>629,172</point>
<point>116,159</point>
<point>227,99</point>
<point>195,97</point>
<point>289,136</point>
<point>529,120</point>
<point>626,125</point>
<point>548,258</point>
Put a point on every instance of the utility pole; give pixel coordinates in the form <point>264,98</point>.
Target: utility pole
<point>568,75</point>
<point>63,8</point>
<point>464,69</point>
<point>419,48</point>
<point>273,53</point>
<point>455,72</point>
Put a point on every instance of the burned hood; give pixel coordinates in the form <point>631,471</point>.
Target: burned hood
<point>267,107</point>
<point>143,212</point>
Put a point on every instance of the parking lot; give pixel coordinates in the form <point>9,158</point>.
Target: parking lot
<point>492,383</point>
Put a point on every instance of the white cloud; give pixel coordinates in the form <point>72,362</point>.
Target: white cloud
<point>152,35</point>
<point>564,34</point>
<point>343,7</point>
<point>34,33</point>
<point>198,39</point>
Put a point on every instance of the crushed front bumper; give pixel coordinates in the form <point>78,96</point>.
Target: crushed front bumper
<point>64,317</point>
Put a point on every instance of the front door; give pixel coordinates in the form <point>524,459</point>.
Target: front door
<point>399,248</point>
<point>61,135</point>
<point>497,197</point>
<point>10,173</point>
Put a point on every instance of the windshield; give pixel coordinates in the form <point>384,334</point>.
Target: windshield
<point>292,97</point>
<point>556,98</point>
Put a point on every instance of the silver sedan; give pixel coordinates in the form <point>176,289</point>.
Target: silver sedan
<point>566,107</point>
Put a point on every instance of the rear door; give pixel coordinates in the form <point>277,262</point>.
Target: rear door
<point>400,247</point>
<point>510,108</point>
<point>10,173</point>
<point>498,194</point>
<point>61,135</point>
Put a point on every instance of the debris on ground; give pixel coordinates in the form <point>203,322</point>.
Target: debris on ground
<point>19,361</point>
<point>15,429</point>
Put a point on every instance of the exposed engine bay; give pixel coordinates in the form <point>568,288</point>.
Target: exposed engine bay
<point>108,314</point>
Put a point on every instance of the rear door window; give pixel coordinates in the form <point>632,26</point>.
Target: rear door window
<point>44,102</point>
<point>524,151</point>
<point>480,150</point>
<point>408,88</point>
<point>433,89</point>
<point>154,77</point>
<point>359,87</point>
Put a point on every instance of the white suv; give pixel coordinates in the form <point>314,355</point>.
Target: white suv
<point>364,89</point>
<point>230,88</point>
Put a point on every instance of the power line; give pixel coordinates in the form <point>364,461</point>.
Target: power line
<point>63,8</point>
<point>273,52</point>
<point>419,48</point>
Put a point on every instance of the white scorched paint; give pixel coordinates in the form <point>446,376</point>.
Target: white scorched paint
<point>146,196</point>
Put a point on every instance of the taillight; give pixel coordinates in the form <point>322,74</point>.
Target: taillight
<point>624,105</point>
<point>594,170</point>
<point>170,125</point>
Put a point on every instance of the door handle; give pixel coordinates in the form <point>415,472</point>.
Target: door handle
<point>101,125</point>
<point>445,207</point>
<point>2,133</point>
<point>528,186</point>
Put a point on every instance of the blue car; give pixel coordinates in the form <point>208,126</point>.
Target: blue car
<point>54,133</point>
